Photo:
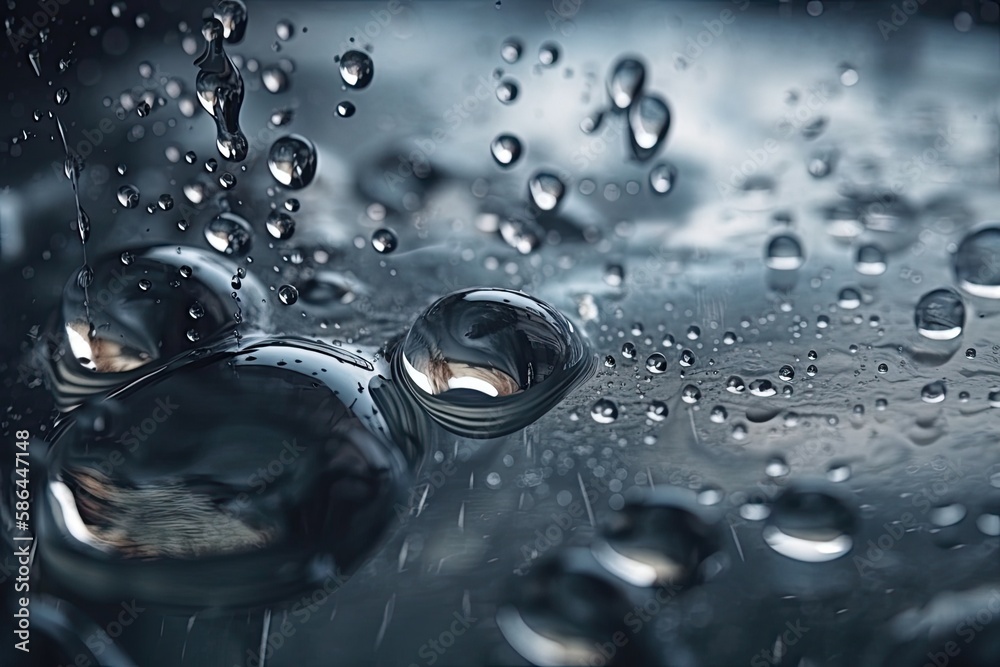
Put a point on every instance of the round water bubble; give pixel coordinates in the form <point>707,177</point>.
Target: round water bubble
<point>356,69</point>
<point>810,523</point>
<point>292,161</point>
<point>186,504</point>
<point>510,50</point>
<point>280,225</point>
<point>487,362</point>
<point>546,190</point>
<point>977,263</point>
<point>940,315</point>
<point>288,294</point>
<point>384,241</point>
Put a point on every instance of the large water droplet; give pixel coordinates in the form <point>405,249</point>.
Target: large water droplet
<point>356,69</point>
<point>648,120</point>
<point>487,362</point>
<point>663,538</point>
<point>940,314</point>
<point>292,161</point>
<point>184,502</point>
<point>784,253</point>
<point>625,82</point>
<point>810,524</point>
<point>229,234</point>
<point>977,263</point>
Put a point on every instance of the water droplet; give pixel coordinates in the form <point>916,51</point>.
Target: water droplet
<point>946,515</point>
<point>493,480</point>
<point>718,414</point>
<point>546,190</point>
<point>662,178</point>
<point>292,161</point>
<point>656,363</point>
<point>510,50</point>
<point>356,69</point>
<point>628,350</point>
<point>810,524</point>
<point>548,54</point>
<point>232,14</point>
<point>625,82</point>
<point>649,120</point>
<point>384,240</point>
<point>523,235</point>
<point>128,196</point>
<point>883,368</point>
<point>229,234</point>
<point>977,266</point>
<point>507,91</point>
<point>687,358</point>
<point>784,253</point>
<point>735,385</point>
<point>848,75</point>
<point>288,294</point>
<point>786,373</point>
<point>970,353</point>
<point>604,411</point>
<point>988,524</point>
<point>690,394</point>
<point>487,362</point>
<point>506,149</point>
<point>280,225</point>
<point>345,109</point>
<point>870,261</point>
<point>849,298</point>
<point>657,411</point>
<point>838,473</point>
<point>219,86</point>
<point>776,467</point>
<point>933,392</point>
<point>284,29</point>
<point>62,96</point>
<point>762,388</point>
<point>274,78</point>
<point>940,314</point>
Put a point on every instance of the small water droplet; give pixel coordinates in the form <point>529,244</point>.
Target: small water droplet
<point>288,294</point>
<point>506,149</point>
<point>356,69</point>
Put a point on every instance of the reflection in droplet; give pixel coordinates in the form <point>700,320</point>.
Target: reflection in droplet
<point>976,265</point>
<point>292,161</point>
<point>506,149</point>
<point>356,69</point>
<point>933,392</point>
<point>219,86</point>
<point>487,362</point>
<point>662,178</point>
<point>940,314</point>
<point>229,234</point>
<point>649,121</point>
<point>625,82</point>
<point>546,190</point>
<point>784,253</point>
<point>128,196</point>
<point>604,411</point>
<point>870,261</point>
<point>280,225</point>
<point>810,524</point>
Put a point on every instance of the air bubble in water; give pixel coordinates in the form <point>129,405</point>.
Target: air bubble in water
<point>940,314</point>
<point>548,54</point>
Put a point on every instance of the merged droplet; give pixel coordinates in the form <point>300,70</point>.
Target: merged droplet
<point>810,523</point>
<point>173,493</point>
<point>220,90</point>
<point>648,120</point>
<point>487,362</point>
<point>356,69</point>
<point>292,161</point>
<point>625,82</point>
<point>229,233</point>
<point>977,263</point>
<point>506,149</point>
<point>940,315</point>
<point>662,538</point>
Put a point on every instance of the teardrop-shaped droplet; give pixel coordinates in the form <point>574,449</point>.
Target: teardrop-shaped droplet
<point>128,196</point>
<point>356,69</point>
<point>487,362</point>
<point>625,82</point>
<point>940,314</point>
<point>292,161</point>
<point>648,120</point>
<point>219,86</point>
<point>662,178</point>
